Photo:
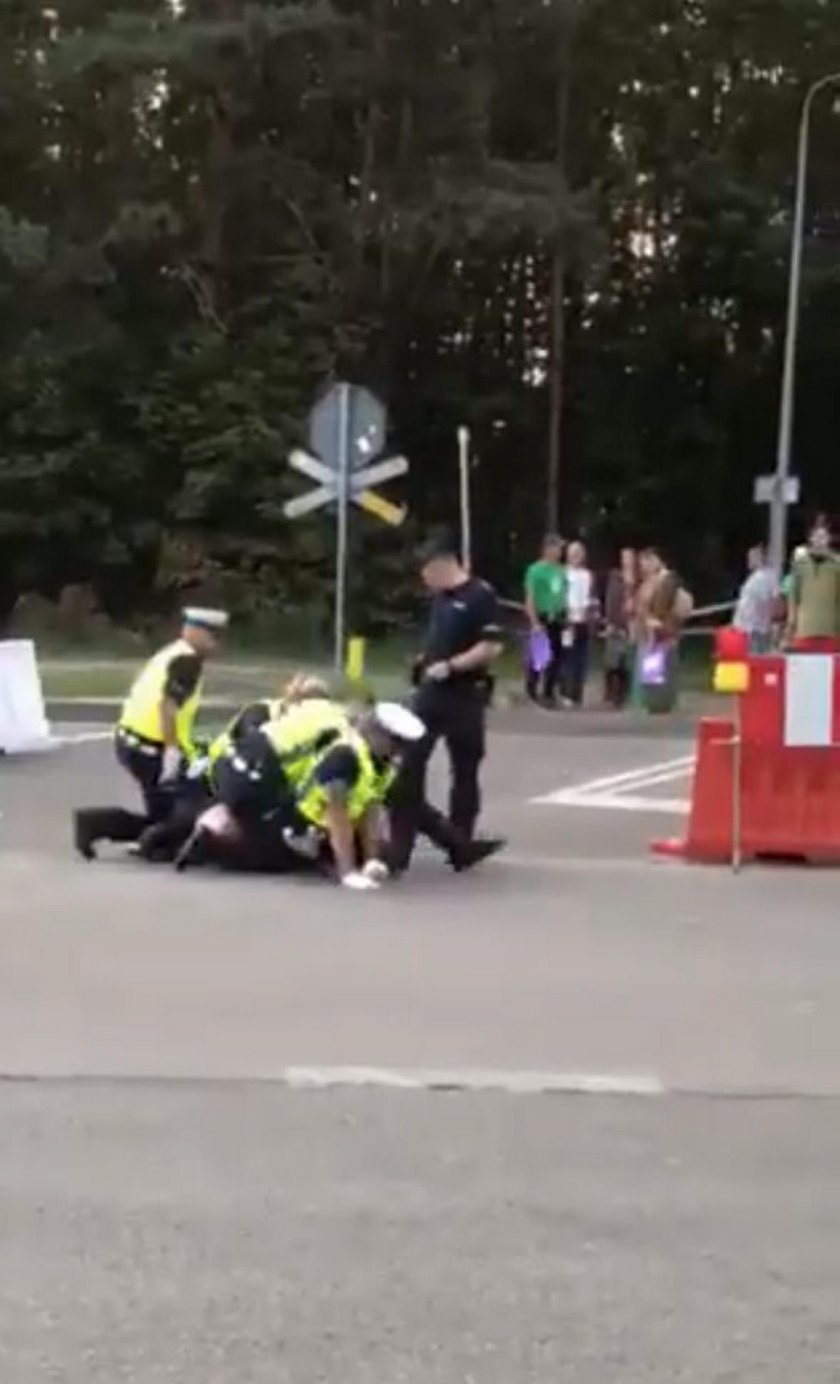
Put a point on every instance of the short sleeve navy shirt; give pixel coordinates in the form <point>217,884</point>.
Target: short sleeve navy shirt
<point>461,618</point>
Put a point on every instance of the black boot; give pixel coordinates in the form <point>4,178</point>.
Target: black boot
<point>92,824</point>
<point>471,853</point>
<point>462,850</point>
<point>85,834</point>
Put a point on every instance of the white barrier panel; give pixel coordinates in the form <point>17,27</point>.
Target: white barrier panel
<point>23,720</point>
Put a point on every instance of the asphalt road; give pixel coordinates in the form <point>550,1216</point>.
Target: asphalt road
<point>170,1210</point>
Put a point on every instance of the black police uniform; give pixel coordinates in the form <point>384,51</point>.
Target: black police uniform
<point>453,711</point>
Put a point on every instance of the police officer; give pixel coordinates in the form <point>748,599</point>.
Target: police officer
<point>256,772</point>
<point>154,735</point>
<point>454,681</point>
<point>327,803</point>
<point>344,795</point>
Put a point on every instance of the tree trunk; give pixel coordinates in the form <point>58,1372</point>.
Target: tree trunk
<point>557,344</point>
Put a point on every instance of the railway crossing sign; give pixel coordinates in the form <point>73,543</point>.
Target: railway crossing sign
<point>360,483</point>
<point>347,429</point>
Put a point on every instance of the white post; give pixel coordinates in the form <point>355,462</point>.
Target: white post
<point>464,480</point>
<point>341,525</point>
<point>779,504</point>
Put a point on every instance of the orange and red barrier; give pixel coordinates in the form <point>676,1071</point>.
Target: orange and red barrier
<point>767,781</point>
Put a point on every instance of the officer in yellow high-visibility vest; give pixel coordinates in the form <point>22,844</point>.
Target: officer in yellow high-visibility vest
<point>165,839</point>
<point>254,774</point>
<point>343,796</point>
<point>327,806</point>
<point>303,687</point>
<point>154,734</point>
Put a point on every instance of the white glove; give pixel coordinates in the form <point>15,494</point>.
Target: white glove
<point>198,768</point>
<point>376,870</point>
<point>438,672</point>
<point>356,880</point>
<point>171,764</point>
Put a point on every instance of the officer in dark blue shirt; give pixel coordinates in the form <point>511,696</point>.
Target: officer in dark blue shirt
<point>453,681</point>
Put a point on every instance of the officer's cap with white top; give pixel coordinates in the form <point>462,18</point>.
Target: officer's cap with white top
<point>204,619</point>
<point>397,721</point>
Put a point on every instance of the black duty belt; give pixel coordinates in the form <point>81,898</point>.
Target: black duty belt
<point>139,743</point>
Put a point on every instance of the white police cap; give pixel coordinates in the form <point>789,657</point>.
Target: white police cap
<point>399,722</point>
<point>206,619</point>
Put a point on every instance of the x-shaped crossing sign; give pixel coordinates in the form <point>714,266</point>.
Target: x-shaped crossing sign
<point>360,487</point>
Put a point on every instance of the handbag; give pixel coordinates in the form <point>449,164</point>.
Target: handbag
<point>538,652</point>
<point>653,669</point>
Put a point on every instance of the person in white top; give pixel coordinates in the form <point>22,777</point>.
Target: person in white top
<point>580,609</point>
<point>755,611</point>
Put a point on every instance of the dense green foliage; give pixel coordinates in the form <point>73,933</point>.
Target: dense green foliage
<point>207,208</point>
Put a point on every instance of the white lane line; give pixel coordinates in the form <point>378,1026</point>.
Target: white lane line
<point>521,1083</point>
<point>618,802</point>
<point>631,778</point>
<point>671,776</point>
<point>84,737</point>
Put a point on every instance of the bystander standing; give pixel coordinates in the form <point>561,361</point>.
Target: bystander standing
<point>619,613</point>
<point>757,601</point>
<point>813,615</point>
<point>545,606</point>
<point>581,607</point>
<point>661,608</point>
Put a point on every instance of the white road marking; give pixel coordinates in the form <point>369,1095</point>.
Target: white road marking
<point>620,792</point>
<point>615,802</point>
<point>82,737</point>
<point>523,1083</point>
<point>632,778</point>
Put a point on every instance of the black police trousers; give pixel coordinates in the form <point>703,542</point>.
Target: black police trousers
<point>162,803</point>
<point>456,714</point>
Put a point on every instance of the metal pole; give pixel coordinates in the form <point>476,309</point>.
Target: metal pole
<point>778,509</point>
<point>465,499</point>
<point>341,525</point>
<point>557,344</point>
<point>737,790</point>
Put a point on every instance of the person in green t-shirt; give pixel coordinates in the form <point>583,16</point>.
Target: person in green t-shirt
<point>545,606</point>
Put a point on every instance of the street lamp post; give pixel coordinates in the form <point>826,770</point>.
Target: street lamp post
<point>779,506</point>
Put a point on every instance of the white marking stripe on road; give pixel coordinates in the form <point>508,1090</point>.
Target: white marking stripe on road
<point>615,802</point>
<point>82,737</point>
<point>630,778</point>
<point>525,1083</point>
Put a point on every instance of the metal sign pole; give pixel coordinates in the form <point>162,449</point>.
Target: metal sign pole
<point>464,478</point>
<point>343,455</point>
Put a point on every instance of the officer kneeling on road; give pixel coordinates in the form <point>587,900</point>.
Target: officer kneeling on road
<point>154,736</point>
<point>254,777</point>
<point>334,813</point>
<point>347,790</point>
<point>165,839</point>
<point>454,684</point>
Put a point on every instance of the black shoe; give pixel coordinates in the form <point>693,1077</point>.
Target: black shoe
<point>83,835</point>
<point>196,850</point>
<point>466,857</point>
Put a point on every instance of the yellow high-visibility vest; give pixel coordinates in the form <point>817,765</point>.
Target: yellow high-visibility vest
<point>141,712</point>
<point>231,734</point>
<point>369,790</point>
<point>301,733</point>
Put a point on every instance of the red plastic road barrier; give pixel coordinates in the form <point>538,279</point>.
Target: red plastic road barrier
<point>789,771</point>
<point>709,836</point>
